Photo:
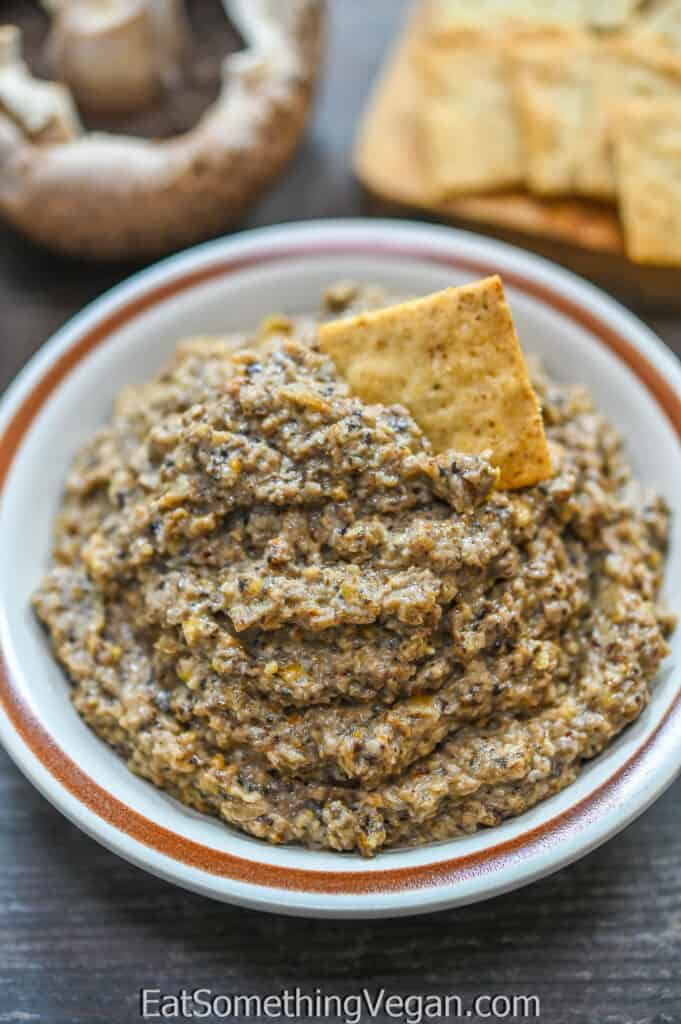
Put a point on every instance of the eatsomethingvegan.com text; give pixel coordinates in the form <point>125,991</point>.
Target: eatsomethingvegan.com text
<point>295,1004</point>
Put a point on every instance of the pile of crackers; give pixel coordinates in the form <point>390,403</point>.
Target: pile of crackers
<point>562,98</point>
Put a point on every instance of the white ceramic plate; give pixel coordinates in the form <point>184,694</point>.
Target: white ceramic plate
<point>65,394</point>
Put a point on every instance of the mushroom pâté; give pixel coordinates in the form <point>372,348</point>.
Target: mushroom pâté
<point>106,196</point>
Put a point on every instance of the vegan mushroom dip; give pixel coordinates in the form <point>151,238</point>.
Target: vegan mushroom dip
<point>280,606</point>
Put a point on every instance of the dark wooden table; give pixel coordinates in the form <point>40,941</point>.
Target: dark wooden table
<point>81,932</point>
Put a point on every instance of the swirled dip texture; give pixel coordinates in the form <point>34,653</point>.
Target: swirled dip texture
<point>281,607</point>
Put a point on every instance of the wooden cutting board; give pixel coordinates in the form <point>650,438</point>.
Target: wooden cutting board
<point>585,236</point>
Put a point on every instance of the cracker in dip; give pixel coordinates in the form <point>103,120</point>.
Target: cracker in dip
<point>279,604</point>
<point>453,359</point>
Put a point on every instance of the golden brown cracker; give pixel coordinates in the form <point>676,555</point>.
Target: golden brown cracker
<point>448,17</point>
<point>661,23</point>
<point>648,163</point>
<point>454,361</point>
<point>609,15</point>
<point>552,83</point>
<point>626,69</point>
<point>471,139</point>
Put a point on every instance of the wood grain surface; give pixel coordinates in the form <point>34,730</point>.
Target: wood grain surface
<point>81,932</point>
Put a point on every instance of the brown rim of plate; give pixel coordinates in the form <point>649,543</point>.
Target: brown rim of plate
<point>447,872</point>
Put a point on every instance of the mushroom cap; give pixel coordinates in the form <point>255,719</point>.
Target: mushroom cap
<point>104,196</point>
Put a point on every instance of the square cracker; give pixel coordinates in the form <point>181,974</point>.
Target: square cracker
<point>454,361</point>
<point>648,162</point>
<point>552,84</point>
<point>626,69</point>
<point>470,135</point>
<point>446,17</point>
<point>616,72</point>
<point>595,175</point>
<point>661,23</point>
<point>611,14</point>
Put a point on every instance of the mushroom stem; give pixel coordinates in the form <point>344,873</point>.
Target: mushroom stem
<point>117,56</point>
<point>260,23</point>
<point>43,110</point>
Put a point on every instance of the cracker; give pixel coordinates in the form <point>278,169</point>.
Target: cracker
<point>625,70</point>
<point>648,162</point>
<point>552,82</point>
<point>447,17</point>
<point>471,139</point>
<point>454,361</point>
<point>388,158</point>
<point>595,176</point>
<point>661,23</point>
<point>611,14</point>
